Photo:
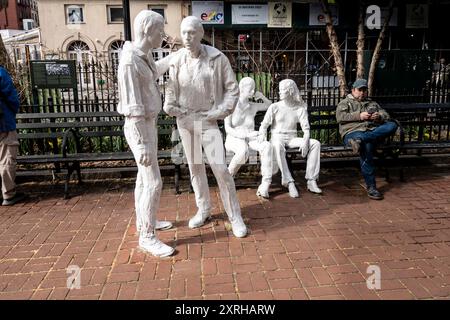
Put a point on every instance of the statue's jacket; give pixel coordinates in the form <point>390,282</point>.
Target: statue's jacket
<point>224,88</point>
<point>139,95</point>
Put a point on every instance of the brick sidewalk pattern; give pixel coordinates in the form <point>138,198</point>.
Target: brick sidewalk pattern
<point>314,247</point>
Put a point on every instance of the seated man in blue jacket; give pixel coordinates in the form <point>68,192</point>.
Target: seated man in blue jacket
<point>9,143</point>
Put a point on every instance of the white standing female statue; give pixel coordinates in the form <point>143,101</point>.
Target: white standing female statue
<point>140,103</point>
<point>241,134</point>
<point>283,118</point>
<point>202,88</point>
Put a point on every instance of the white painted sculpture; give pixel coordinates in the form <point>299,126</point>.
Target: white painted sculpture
<point>241,134</point>
<point>140,103</point>
<point>202,88</point>
<point>283,118</point>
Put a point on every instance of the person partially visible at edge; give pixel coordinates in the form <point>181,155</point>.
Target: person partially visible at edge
<point>140,103</point>
<point>362,124</point>
<point>9,142</point>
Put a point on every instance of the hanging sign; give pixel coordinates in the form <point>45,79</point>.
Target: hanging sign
<point>280,14</point>
<point>317,16</point>
<point>249,13</point>
<point>209,12</point>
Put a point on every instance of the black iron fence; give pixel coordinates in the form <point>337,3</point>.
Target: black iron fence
<point>97,91</point>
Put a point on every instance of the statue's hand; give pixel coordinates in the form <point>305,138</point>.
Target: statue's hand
<point>259,95</point>
<point>304,148</point>
<point>253,134</point>
<point>212,115</point>
<point>262,138</point>
<point>144,155</point>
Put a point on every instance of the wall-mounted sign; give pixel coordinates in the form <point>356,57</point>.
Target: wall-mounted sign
<point>47,74</point>
<point>249,13</point>
<point>280,14</point>
<point>317,16</point>
<point>209,12</point>
<point>416,16</point>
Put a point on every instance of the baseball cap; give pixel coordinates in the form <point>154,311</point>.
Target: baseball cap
<point>359,83</point>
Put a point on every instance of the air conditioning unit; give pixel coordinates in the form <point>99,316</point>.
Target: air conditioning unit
<point>28,24</point>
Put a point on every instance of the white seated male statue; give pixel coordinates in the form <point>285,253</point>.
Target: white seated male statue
<point>140,102</point>
<point>202,88</point>
<point>241,134</point>
<point>283,118</point>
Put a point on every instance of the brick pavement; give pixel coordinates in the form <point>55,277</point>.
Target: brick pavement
<point>314,247</point>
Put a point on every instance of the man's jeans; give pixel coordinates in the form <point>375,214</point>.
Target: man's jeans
<point>369,140</point>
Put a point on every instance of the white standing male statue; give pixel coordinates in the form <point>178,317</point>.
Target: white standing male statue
<point>283,117</point>
<point>202,88</point>
<point>241,134</point>
<point>140,103</point>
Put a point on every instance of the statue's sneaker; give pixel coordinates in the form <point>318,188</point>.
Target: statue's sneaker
<point>293,193</point>
<point>312,187</point>
<point>155,246</point>
<point>263,190</point>
<point>239,228</point>
<point>163,225</point>
<point>199,219</point>
<point>160,225</point>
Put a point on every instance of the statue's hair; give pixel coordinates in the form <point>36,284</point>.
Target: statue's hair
<point>246,81</point>
<point>144,21</point>
<point>293,89</point>
<point>196,22</point>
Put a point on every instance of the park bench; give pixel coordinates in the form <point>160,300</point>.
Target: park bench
<point>422,127</point>
<point>66,139</point>
<point>62,139</point>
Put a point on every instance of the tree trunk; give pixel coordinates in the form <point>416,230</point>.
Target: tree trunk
<point>376,51</point>
<point>335,49</point>
<point>360,43</point>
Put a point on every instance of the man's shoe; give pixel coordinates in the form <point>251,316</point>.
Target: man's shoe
<point>355,144</point>
<point>163,225</point>
<point>154,246</point>
<point>374,194</point>
<point>239,228</point>
<point>263,190</point>
<point>12,201</point>
<point>199,219</point>
<point>311,185</point>
<point>293,193</point>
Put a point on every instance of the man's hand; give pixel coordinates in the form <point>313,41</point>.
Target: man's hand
<point>304,148</point>
<point>375,117</point>
<point>212,115</point>
<point>144,155</point>
<point>364,116</point>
